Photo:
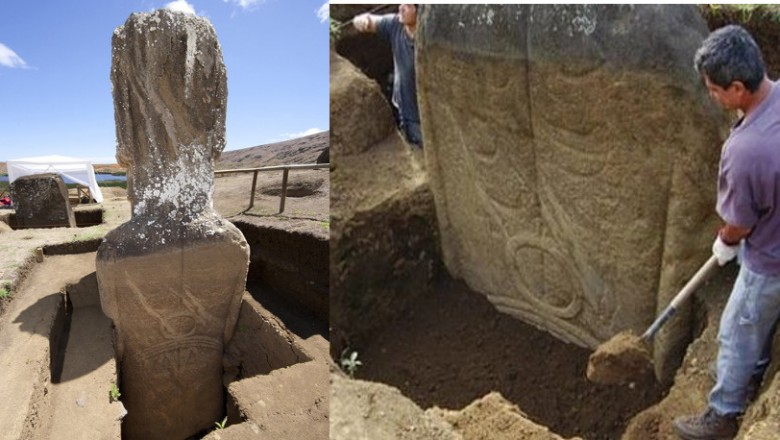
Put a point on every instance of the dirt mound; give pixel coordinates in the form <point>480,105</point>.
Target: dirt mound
<point>384,244</point>
<point>303,187</point>
<point>495,418</point>
<point>374,411</point>
<point>361,114</point>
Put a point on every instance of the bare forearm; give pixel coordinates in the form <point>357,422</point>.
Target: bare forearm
<point>731,234</point>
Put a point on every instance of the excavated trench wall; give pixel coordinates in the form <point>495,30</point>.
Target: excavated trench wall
<point>259,347</point>
<point>292,263</point>
<point>84,217</point>
<point>572,154</point>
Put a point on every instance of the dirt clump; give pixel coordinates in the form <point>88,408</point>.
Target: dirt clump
<point>495,418</point>
<point>622,359</point>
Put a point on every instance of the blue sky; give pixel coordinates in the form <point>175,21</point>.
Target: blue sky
<point>55,58</point>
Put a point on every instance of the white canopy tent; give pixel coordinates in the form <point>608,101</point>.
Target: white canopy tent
<point>78,170</point>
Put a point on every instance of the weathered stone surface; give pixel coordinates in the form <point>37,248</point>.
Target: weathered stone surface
<point>171,278</point>
<point>41,201</point>
<point>364,115</point>
<point>573,158</point>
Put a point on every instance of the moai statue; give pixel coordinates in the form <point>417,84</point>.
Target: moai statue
<point>172,277</point>
<point>41,201</point>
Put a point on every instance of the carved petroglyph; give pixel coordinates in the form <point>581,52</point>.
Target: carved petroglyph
<point>180,313</point>
<point>556,146</point>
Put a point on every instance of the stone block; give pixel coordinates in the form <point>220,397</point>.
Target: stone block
<point>41,201</point>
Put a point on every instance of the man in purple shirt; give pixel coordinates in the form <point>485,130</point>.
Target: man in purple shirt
<point>732,68</point>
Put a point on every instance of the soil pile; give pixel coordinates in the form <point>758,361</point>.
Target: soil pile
<point>494,418</point>
<point>624,358</point>
<point>361,116</point>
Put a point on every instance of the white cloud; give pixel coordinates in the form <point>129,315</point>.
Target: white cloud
<point>304,133</point>
<point>246,4</point>
<point>180,6</point>
<point>323,12</point>
<point>9,58</point>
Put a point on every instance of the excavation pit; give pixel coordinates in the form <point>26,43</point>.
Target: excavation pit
<point>86,216</point>
<point>59,353</point>
<point>452,347</point>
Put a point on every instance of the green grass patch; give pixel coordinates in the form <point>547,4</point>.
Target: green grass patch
<point>113,184</point>
<point>89,235</point>
<point>742,13</point>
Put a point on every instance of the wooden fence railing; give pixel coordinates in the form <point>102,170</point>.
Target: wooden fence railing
<point>285,172</point>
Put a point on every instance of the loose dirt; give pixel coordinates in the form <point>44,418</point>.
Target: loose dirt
<point>494,418</point>
<point>453,347</point>
<point>624,358</point>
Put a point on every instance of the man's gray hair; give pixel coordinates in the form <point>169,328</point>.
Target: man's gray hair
<point>730,54</point>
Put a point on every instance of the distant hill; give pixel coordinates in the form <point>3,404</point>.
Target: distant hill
<point>300,150</point>
<point>294,151</point>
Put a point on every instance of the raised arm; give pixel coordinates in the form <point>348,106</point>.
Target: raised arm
<point>365,22</point>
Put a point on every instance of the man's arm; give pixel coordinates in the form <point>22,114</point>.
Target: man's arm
<point>365,22</point>
<point>726,245</point>
<point>732,235</point>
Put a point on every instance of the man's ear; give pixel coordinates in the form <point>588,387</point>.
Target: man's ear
<point>739,87</point>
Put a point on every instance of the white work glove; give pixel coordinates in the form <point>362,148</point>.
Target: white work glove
<point>361,22</point>
<point>723,252</point>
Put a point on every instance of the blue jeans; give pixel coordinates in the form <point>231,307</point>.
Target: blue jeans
<point>411,131</point>
<point>745,338</point>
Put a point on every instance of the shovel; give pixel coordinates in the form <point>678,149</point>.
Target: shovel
<point>626,355</point>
